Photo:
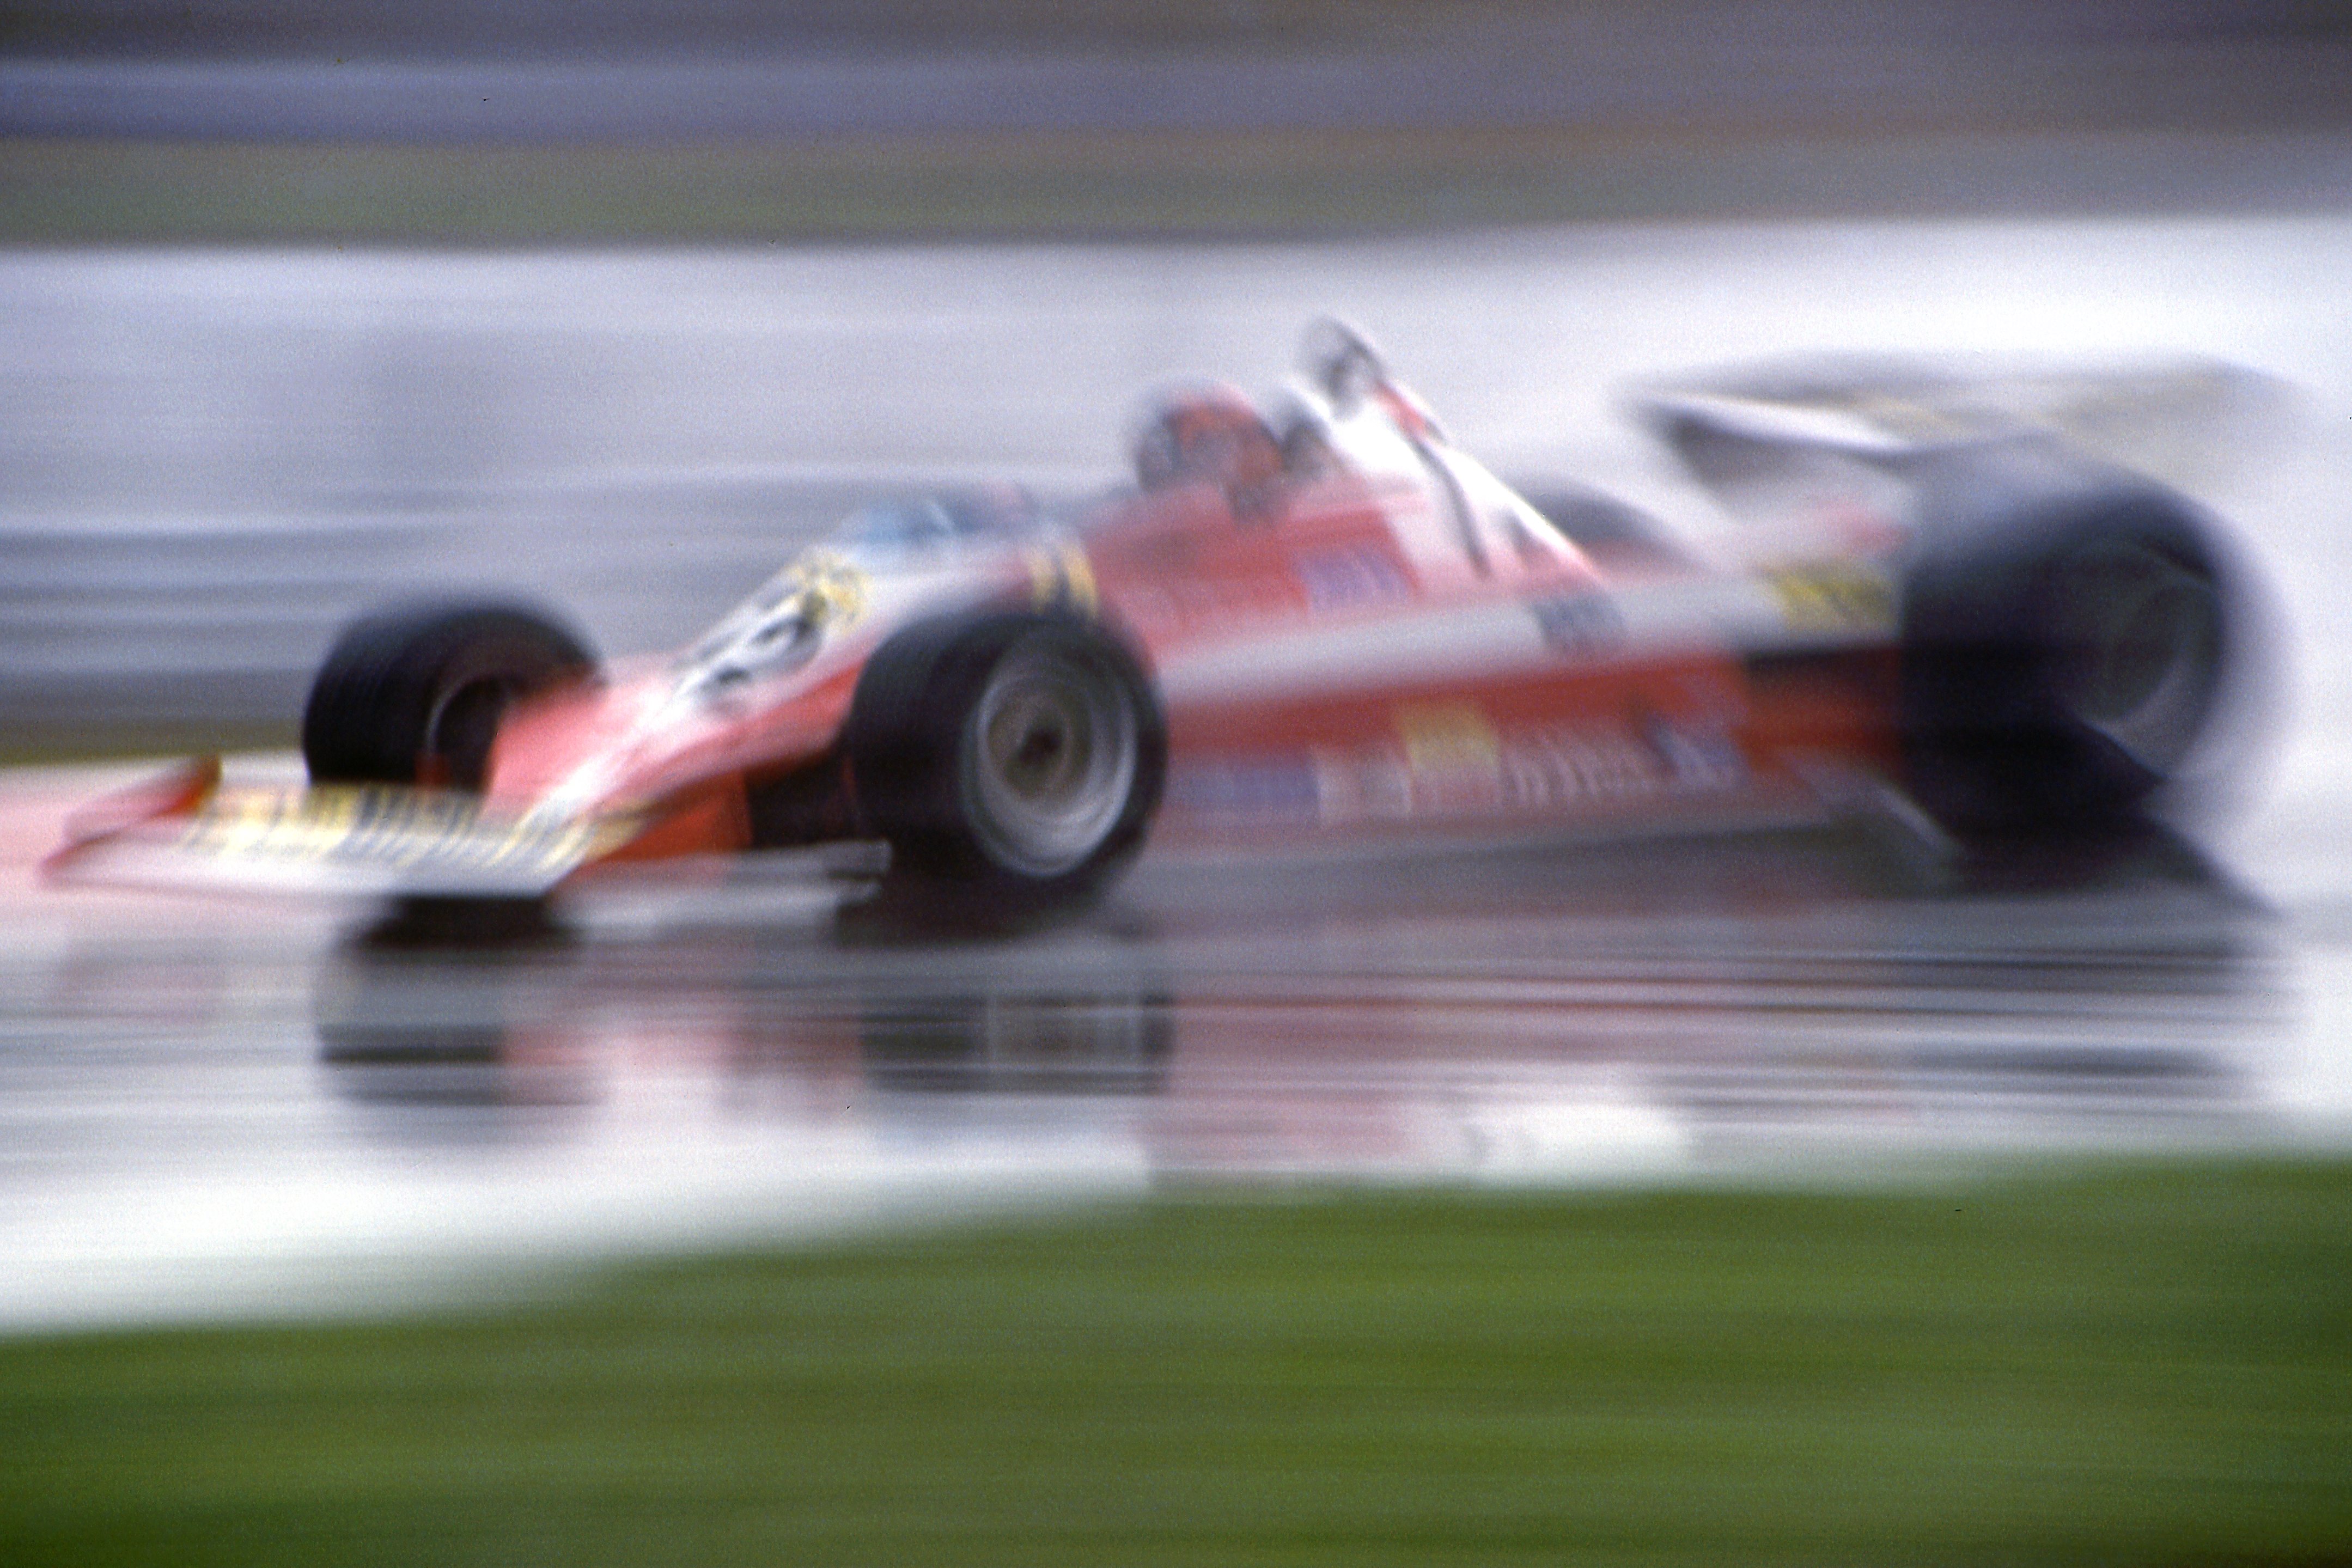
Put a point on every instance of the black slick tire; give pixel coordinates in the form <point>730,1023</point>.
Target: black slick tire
<point>413,695</point>
<point>1012,759</point>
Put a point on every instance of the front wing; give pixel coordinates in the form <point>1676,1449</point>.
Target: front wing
<point>345,840</point>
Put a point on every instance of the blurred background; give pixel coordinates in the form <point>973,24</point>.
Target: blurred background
<point>304,304</point>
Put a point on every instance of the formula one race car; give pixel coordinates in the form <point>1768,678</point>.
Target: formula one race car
<point>1331,621</point>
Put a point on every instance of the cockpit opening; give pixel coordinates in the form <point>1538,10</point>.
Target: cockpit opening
<point>906,531</point>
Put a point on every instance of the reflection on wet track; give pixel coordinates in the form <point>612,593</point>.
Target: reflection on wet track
<point>213,1105</point>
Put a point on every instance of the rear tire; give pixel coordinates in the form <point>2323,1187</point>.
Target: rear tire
<point>414,695</point>
<point>2058,673</point>
<point>1013,760</point>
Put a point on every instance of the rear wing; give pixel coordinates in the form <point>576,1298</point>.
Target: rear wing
<point>1789,435</point>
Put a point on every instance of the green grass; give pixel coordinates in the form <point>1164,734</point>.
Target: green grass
<point>59,744</point>
<point>2135,1366</point>
<point>1140,186</point>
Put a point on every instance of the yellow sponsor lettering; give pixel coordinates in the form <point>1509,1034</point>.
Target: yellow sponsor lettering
<point>1834,596</point>
<point>1078,580</point>
<point>835,591</point>
<point>1062,576</point>
<point>408,830</point>
<point>1441,737</point>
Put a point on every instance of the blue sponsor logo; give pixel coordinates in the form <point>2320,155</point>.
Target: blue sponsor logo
<point>1258,789</point>
<point>1581,625</point>
<point>1342,578</point>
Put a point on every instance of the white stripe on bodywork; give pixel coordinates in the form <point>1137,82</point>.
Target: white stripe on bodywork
<point>1503,637</point>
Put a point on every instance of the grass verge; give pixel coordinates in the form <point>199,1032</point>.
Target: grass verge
<point>1141,186</point>
<point>850,188</point>
<point>2122,1366</point>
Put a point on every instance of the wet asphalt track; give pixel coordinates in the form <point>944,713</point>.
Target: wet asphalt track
<point>212,1106</point>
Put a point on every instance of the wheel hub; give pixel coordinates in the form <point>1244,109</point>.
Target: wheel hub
<point>1050,759</point>
<point>2147,652</point>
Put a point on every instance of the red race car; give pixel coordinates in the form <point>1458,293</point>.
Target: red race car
<point>1328,620</point>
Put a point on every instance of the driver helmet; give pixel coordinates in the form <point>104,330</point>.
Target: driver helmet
<point>1210,432</point>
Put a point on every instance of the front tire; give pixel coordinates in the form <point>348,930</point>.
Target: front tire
<point>414,695</point>
<point>1013,760</point>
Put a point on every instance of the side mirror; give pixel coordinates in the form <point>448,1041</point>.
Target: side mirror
<point>1341,362</point>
